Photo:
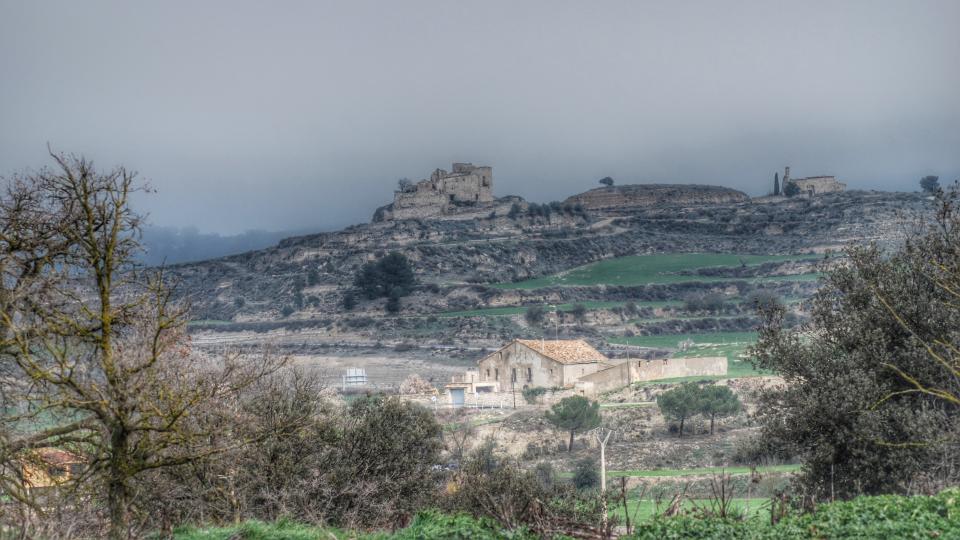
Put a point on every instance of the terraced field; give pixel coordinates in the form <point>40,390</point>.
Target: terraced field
<point>660,268</point>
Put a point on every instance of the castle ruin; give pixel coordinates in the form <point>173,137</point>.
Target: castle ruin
<point>443,193</point>
<point>814,185</point>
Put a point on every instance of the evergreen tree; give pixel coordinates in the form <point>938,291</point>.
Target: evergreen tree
<point>776,183</point>
<point>389,275</point>
<point>680,403</point>
<point>574,414</point>
<point>718,402</point>
<point>930,184</point>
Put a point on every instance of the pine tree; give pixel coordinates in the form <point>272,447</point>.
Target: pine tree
<point>776,183</point>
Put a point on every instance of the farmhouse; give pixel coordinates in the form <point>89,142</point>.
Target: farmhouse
<point>49,467</point>
<point>571,364</point>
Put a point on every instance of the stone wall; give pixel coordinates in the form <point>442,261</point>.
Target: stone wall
<point>629,371</point>
<point>815,185</point>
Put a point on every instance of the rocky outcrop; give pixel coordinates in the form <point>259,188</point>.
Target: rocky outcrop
<point>646,195</point>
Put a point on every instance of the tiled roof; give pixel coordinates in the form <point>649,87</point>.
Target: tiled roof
<point>565,351</point>
<point>55,456</point>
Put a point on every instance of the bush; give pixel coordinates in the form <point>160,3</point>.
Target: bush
<point>534,315</point>
<point>532,394</point>
<point>586,474</point>
<point>393,303</point>
<point>392,274</point>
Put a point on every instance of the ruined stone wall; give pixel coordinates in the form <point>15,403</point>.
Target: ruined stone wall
<point>443,193</point>
<point>815,185</point>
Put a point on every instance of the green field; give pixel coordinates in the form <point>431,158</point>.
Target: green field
<point>719,343</point>
<point>643,509</point>
<point>660,268</point>
<point>671,473</point>
<point>517,310</point>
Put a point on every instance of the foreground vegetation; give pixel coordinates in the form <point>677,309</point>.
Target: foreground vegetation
<point>887,516</point>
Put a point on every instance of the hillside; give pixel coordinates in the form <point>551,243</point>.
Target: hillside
<point>504,261</point>
<point>628,197</point>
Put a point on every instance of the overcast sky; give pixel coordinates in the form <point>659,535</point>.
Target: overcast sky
<point>281,115</point>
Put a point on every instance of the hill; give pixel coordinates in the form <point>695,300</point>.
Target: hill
<point>526,255</point>
<point>627,197</point>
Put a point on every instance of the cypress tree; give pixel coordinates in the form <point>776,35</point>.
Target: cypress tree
<point>776,183</point>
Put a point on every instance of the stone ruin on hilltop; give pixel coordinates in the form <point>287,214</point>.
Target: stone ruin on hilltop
<point>443,193</point>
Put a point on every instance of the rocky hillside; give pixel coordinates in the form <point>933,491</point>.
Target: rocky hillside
<point>626,198</point>
<point>301,282</point>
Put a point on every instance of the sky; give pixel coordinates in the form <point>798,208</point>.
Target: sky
<point>303,114</point>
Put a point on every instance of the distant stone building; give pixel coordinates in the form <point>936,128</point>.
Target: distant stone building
<point>813,185</point>
<point>444,192</point>
<point>570,363</point>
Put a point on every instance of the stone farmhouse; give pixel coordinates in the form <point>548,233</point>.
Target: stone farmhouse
<point>568,364</point>
<point>814,185</point>
<point>444,192</point>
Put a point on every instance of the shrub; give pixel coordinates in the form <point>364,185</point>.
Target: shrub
<point>389,275</point>
<point>532,394</point>
<point>586,474</point>
<point>534,315</point>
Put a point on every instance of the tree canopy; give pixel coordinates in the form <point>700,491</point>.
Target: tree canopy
<point>930,184</point>
<point>680,403</point>
<point>718,402</point>
<point>388,276</point>
<point>872,400</point>
<point>574,414</point>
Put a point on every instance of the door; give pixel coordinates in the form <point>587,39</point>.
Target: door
<point>456,397</point>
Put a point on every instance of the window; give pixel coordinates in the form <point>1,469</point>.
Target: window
<point>513,375</point>
<point>496,374</point>
<point>488,374</point>
<point>529,375</point>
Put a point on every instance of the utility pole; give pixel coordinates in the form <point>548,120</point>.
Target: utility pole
<point>603,470</point>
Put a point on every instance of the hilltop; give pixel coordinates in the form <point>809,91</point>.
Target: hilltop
<point>467,262</point>
<point>628,197</point>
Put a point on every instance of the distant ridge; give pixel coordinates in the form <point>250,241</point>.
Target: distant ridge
<point>644,195</point>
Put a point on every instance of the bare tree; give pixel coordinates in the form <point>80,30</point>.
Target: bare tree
<point>94,347</point>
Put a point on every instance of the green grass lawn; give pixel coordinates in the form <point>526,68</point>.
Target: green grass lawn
<point>660,268</point>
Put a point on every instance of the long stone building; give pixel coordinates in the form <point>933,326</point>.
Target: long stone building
<point>444,192</point>
<point>528,363</point>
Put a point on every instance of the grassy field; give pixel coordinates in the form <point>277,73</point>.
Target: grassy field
<point>643,509</point>
<point>660,268</point>
<point>672,473</point>
<point>729,344</point>
<point>702,471</point>
<point>517,310</point>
